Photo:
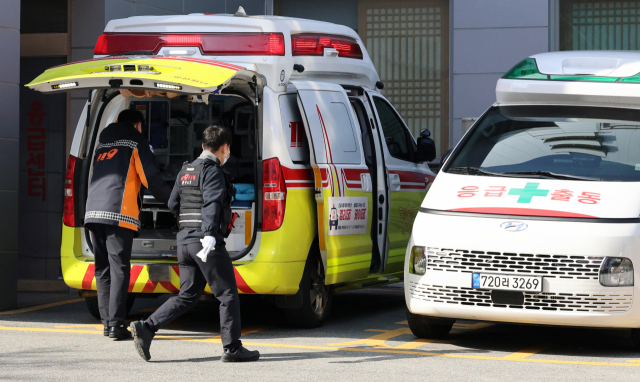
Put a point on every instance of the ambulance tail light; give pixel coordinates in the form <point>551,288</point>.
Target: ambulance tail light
<point>274,191</point>
<point>219,44</point>
<point>312,44</point>
<point>69,213</point>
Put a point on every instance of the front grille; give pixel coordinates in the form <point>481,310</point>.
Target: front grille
<point>567,302</point>
<point>556,266</point>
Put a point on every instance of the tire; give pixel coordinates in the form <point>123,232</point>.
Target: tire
<point>316,297</point>
<point>94,310</point>
<point>635,335</point>
<point>427,327</point>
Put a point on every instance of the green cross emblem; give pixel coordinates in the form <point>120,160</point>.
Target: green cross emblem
<point>528,192</point>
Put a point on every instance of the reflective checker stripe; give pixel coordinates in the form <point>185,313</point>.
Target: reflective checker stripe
<point>122,142</point>
<point>112,216</point>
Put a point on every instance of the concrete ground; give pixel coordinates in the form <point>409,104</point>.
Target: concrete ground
<point>365,339</point>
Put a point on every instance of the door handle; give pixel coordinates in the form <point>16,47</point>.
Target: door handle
<point>147,244</point>
<point>394,182</point>
<point>365,179</point>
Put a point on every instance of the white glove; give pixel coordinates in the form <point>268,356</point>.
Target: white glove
<point>208,244</point>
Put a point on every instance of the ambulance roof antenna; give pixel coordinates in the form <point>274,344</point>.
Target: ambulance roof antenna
<point>241,12</point>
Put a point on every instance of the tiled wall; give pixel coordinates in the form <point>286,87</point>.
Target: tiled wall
<point>9,134</point>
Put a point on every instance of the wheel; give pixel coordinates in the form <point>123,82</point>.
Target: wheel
<point>635,335</point>
<point>427,327</point>
<point>92,304</point>
<point>316,297</point>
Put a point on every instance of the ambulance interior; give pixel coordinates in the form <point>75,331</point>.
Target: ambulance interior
<point>174,127</point>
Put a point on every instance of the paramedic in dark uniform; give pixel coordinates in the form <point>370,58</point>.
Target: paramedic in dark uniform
<point>201,199</point>
<point>122,164</point>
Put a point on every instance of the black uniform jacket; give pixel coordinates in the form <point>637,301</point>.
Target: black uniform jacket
<point>122,164</point>
<point>214,192</point>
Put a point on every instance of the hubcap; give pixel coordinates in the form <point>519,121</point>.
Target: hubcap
<point>319,295</point>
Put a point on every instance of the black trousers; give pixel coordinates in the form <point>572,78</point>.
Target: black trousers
<point>112,249</point>
<point>194,275</point>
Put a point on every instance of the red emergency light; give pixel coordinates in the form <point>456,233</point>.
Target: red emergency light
<point>218,44</point>
<point>313,44</point>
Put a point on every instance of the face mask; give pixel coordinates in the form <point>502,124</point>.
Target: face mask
<point>226,158</point>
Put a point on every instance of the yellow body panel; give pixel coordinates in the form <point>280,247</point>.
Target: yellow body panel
<point>404,207</point>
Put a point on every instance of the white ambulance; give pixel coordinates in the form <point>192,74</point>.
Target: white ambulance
<point>328,174</point>
<point>535,215</point>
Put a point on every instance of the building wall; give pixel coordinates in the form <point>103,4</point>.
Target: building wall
<point>321,10</point>
<point>9,149</point>
<point>488,37</point>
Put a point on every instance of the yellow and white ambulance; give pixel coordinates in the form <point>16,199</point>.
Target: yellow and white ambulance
<point>329,177</point>
<point>534,217</point>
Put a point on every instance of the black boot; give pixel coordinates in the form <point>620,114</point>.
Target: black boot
<point>106,331</point>
<point>240,355</point>
<point>142,337</point>
<point>119,333</point>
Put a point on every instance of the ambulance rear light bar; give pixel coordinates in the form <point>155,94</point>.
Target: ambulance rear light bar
<point>64,86</point>
<point>168,86</point>
<point>527,69</point>
<point>313,44</point>
<point>218,44</point>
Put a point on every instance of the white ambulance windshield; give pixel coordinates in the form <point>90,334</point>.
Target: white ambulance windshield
<point>562,142</point>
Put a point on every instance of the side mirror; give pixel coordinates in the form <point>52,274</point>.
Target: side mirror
<point>426,147</point>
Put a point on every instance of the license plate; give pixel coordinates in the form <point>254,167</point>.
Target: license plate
<point>159,273</point>
<point>506,282</point>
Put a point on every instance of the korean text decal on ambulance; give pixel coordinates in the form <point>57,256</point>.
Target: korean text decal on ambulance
<point>554,161</point>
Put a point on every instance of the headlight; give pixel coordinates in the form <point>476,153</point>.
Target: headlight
<point>616,271</point>
<point>418,261</point>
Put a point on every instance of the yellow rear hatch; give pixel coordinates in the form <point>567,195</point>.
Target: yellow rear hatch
<point>170,74</point>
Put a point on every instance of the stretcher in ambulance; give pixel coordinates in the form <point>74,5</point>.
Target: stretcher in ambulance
<point>535,215</point>
<point>329,177</point>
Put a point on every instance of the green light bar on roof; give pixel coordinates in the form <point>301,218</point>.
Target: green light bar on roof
<point>527,69</point>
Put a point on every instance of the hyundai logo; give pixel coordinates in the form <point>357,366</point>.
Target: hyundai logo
<point>514,226</point>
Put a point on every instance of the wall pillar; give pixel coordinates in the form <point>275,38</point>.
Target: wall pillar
<point>9,151</point>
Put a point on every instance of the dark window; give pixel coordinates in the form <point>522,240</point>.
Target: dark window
<point>599,25</point>
<point>397,137</point>
<point>565,142</point>
<point>43,16</point>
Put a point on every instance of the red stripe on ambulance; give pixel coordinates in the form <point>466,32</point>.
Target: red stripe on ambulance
<point>135,273</point>
<point>87,280</point>
<point>242,285</point>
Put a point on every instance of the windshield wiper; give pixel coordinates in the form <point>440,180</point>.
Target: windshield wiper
<point>473,171</point>
<point>550,174</point>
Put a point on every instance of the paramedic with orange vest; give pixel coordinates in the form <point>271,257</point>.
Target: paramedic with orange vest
<point>123,163</point>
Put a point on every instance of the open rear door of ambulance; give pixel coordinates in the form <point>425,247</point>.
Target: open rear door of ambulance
<point>344,215</point>
<point>141,76</point>
<point>164,74</point>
